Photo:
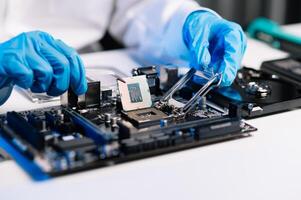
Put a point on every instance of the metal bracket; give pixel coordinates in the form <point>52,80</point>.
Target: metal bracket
<point>213,81</point>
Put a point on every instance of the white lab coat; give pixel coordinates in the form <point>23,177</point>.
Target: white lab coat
<point>153,26</point>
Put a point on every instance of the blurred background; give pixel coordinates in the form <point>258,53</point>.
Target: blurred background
<point>244,11</point>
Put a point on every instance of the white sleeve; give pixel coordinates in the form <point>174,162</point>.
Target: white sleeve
<point>154,27</point>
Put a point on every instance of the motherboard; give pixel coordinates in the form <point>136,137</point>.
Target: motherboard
<point>154,112</point>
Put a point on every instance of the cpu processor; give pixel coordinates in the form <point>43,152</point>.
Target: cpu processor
<point>134,93</point>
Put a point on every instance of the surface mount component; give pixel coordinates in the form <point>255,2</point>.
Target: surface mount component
<point>134,93</point>
<point>102,128</point>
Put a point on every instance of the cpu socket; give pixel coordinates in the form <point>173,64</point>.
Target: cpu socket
<point>145,117</point>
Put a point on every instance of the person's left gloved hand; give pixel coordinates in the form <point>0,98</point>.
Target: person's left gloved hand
<point>215,43</point>
<point>37,61</point>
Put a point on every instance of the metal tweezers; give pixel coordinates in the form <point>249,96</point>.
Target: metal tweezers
<point>213,81</point>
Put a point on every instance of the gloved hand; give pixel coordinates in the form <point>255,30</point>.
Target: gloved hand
<point>37,61</point>
<point>214,43</point>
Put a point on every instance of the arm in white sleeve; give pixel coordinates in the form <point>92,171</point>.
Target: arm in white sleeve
<point>154,27</point>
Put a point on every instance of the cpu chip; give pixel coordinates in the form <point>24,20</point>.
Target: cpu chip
<point>134,93</point>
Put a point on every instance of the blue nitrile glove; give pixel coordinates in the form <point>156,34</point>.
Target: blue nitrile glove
<point>37,61</point>
<point>214,43</point>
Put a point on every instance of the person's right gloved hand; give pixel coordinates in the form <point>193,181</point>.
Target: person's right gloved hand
<point>215,44</point>
<point>37,61</point>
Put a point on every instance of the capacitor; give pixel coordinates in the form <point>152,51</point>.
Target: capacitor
<point>203,103</point>
<point>107,118</point>
<point>114,121</point>
<point>44,126</point>
<point>163,122</point>
<point>61,117</point>
<point>114,101</point>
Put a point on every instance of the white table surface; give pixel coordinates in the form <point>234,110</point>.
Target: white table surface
<point>264,166</point>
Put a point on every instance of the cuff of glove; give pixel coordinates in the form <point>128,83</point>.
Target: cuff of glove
<point>175,30</point>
